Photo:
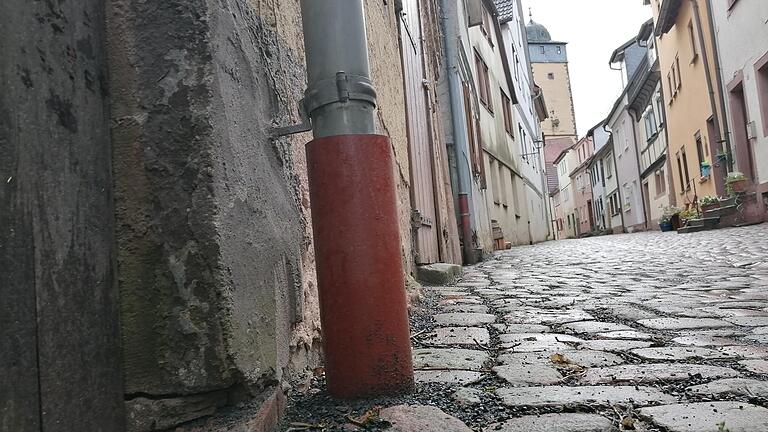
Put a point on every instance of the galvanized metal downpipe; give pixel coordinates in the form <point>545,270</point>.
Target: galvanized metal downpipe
<point>360,280</point>
<point>460,133</point>
<point>340,97</point>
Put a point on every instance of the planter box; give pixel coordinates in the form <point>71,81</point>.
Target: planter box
<point>739,186</point>
<point>708,207</point>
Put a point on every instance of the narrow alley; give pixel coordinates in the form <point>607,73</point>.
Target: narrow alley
<point>401,215</point>
<point>644,332</point>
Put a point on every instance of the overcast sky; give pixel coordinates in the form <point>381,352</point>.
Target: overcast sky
<point>593,29</point>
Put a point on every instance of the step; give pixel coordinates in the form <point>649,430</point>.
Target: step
<point>692,229</point>
<point>707,222</point>
<point>722,211</point>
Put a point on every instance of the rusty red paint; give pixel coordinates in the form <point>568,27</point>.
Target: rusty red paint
<point>466,229</point>
<point>366,338</point>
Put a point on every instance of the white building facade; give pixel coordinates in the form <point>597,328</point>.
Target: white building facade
<point>528,154</point>
<point>742,40</point>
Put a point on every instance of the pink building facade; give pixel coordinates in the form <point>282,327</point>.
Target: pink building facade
<point>582,187</point>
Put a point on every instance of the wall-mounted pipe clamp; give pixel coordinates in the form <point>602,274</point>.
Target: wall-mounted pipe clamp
<point>341,89</point>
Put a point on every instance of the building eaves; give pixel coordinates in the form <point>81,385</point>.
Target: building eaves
<point>563,153</point>
<point>602,151</point>
<point>502,50</point>
<point>646,30</point>
<point>639,72</point>
<point>618,53</point>
<point>667,16</point>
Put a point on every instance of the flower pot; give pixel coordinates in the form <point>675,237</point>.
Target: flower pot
<point>738,186</point>
<point>728,202</point>
<point>676,222</point>
<point>666,226</point>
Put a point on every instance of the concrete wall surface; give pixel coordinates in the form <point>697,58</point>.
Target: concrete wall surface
<point>216,265</point>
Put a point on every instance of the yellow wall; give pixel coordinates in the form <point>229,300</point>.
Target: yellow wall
<point>688,109</point>
<point>558,97</point>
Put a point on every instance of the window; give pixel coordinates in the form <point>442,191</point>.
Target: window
<point>674,79</point>
<point>506,107</point>
<point>660,180</point>
<point>687,180</point>
<point>614,205</point>
<point>677,70</point>
<point>608,167</point>
<point>699,150</point>
<point>551,76</point>
<point>475,144</point>
<point>495,181</point>
<point>601,173</point>
<point>622,136</point>
<point>762,90</point>
<point>483,83</point>
<point>671,86</point>
<point>559,49</point>
<point>659,110</point>
<point>503,185</point>
<point>692,39</point>
<point>627,197</point>
<point>541,49</point>
<point>487,26</point>
<point>649,116</point>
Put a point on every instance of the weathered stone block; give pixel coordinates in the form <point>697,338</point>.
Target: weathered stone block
<point>143,414</point>
<point>410,418</point>
<point>570,422</point>
<point>705,417</point>
<point>438,274</point>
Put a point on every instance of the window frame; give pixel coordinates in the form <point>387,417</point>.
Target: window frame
<point>761,79</point>
<point>693,41</point>
<point>506,108</point>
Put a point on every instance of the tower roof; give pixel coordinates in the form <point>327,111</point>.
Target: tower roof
<point>537,32</point>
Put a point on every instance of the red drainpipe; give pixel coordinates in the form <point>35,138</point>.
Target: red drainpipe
<point>363,310</point>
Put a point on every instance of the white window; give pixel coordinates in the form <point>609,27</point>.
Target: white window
<point>627,197</point>
<point>649,117</point>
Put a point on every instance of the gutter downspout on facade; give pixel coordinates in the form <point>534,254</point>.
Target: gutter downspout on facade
<point>646,212</point>
<point>460,143</point>
<point>545,185</point>
<point>361,287</point>
<point>719,73</point>
<point>711,89</point>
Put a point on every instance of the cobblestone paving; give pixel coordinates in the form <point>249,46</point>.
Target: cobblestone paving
<point>645,332</point>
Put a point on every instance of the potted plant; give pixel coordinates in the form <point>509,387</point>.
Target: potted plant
<point>708,203</point>
<point>670,219</point>
<point>706,169</point>
<point>737,182</point>
<point>691,213</point>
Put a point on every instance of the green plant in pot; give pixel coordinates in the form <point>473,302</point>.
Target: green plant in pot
<point>708,203</point>
<point>736,182</point>
<point>670,218</point>
<point>691,213</point>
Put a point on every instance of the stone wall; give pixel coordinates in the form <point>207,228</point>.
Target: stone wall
<point>215,259</point>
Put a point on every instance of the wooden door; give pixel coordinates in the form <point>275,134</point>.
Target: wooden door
<point>421,172</point>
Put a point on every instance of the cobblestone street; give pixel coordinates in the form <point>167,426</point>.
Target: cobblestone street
<point>648,331</point>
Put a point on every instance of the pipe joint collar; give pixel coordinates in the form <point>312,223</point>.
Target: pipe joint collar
<point>340,89</point>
